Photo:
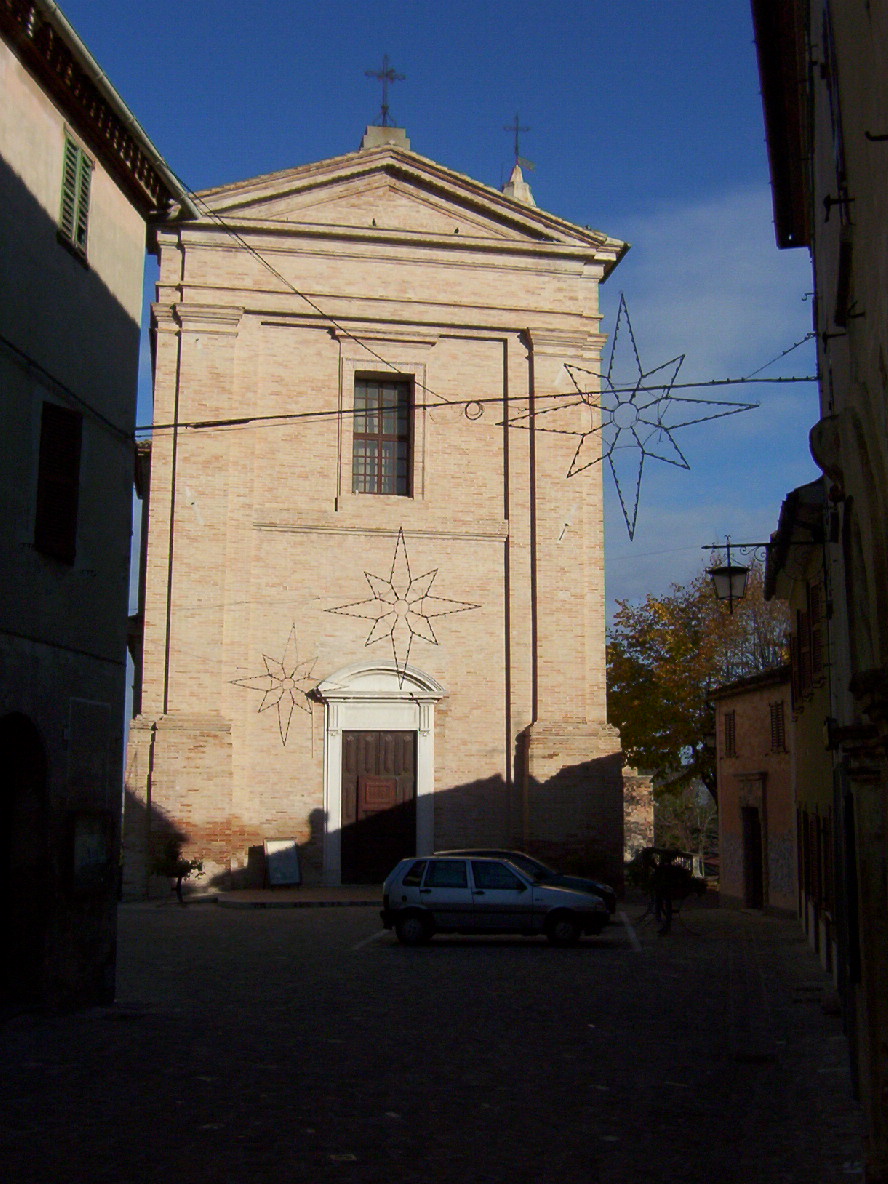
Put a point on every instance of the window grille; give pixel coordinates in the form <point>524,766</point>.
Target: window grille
<point>381,449</point>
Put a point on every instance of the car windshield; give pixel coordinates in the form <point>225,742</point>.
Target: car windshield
<point>532,867</point>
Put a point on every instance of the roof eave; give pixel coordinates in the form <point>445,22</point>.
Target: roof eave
<point>800,525</point>
<point>54,52</point>
<point>781,47</point>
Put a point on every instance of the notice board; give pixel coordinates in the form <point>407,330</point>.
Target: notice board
<point>282,862</point>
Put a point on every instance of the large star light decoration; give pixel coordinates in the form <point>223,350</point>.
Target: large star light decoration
<point>401,607</point>
<point>631,418</point>
<point>285,685</point>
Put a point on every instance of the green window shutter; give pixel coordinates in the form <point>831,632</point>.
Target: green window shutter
<point>69,190</point>
<point>76,181</point>
<point>84,180</point>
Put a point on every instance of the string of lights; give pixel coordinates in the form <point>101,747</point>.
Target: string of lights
<point>808,337</point>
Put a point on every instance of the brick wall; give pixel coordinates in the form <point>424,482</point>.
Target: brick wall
<point>267,536</point>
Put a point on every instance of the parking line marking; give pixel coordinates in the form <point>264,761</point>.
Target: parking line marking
<point>372,937</point>
<point>630,932</point>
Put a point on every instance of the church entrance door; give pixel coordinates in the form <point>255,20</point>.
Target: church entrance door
<point>378,803</point>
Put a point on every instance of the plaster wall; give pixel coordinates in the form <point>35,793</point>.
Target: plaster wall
<point>69,334</point>
<point>757,777</point>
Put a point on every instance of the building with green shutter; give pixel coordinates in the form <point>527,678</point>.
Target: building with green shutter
<point>78,179</point>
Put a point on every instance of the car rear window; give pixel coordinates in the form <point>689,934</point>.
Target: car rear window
<point>447,873</point>
<point>413,875</point>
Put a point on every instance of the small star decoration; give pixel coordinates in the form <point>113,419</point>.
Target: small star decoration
<point>634,419</point>
<point>284,685</point>
<point>401,607</point>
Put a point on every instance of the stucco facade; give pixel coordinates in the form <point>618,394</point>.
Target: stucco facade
<point>756,809</point>
<point>287,614</point>
<point>826,112</point>
<point>70,306</point>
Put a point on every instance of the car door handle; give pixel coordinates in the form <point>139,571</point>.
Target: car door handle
<point>479,891</point>
<point>424,891</point>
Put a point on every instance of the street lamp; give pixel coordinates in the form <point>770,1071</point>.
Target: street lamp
<point>729,579</point>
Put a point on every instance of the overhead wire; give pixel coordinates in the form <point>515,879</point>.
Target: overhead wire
<point>283,417</point>
<point>286,416</point>
<point>30,363</point>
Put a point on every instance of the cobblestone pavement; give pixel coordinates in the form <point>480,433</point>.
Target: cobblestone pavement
<point>306,1046</point>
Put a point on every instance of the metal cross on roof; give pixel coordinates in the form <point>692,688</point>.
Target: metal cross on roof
<point>517,128</point>
<point>386,75</point>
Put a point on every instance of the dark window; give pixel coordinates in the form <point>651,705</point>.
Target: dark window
<point>447,873</point>
<point>827,879</point>
<point>76,180</point>
<point>381,450</point>
<point>778,727</point>
<point>815,624</point>
<point>413,877</point>
<point>58,482</point>
<point>495,875</point>
<point>730,723</point>
<point>807,644</point>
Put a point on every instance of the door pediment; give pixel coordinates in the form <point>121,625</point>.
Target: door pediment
<point>379,681</point>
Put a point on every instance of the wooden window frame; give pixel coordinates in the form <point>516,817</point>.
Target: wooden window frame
<point>395,446</point>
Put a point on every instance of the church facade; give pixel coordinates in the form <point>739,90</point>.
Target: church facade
<point>373,600</point>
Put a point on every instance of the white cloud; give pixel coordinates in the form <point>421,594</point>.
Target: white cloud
<point>708,281</point>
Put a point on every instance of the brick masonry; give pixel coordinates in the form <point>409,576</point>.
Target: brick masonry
<point>396,266</point>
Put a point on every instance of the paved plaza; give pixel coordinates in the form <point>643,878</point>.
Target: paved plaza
<point>304,1045</point>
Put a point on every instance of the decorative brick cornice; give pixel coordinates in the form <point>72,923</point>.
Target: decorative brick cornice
<point>207,318</point>
<point>568,344</point>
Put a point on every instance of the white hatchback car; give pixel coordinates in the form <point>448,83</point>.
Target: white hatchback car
<point>446,894</point>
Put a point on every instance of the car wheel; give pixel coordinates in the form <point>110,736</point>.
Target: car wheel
<point>412,930</point>
<point>563,929</point>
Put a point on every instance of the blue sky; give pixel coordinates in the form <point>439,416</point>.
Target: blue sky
<point>645,122</point>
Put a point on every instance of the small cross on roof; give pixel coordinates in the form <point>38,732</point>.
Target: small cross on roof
<point>386,75</point>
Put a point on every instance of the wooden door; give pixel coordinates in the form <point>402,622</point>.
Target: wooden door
<point>753,877</point>
<point>378,803</point>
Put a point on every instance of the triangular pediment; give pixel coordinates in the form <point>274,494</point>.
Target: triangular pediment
<point>397,191</point>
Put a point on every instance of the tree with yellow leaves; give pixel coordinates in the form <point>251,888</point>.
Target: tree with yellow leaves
<point>667,655</point>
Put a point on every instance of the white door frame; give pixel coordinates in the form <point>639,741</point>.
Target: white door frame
<point>377,697</point>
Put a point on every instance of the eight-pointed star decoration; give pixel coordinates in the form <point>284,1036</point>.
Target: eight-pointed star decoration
<point>636,420</point>
<point>284,685</point>
<point>401,607</point>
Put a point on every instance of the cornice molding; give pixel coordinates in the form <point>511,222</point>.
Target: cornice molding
<point>565,343</point>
